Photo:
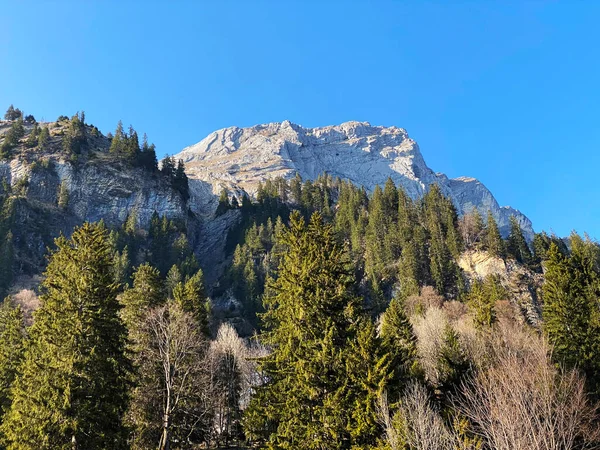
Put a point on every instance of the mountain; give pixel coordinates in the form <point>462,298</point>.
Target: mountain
<point>237,159</point>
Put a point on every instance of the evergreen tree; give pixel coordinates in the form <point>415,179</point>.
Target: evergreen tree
<point>168,167</point>
<point>224,204</point>
<point>517,245</point>
<point>400,342</point>
<point>12,339</point>
<point>117,145</point>
<point>13,113</point>
<point>71,391</point>
<point>146,293</point>
<point>180,181</point>
<point>63,195</point>
<point>309,398</point>
<point>147,157</point>
<point>132,146</point>
<point>43,138</point>
<point>571,314</point>
<point>493,240</point>
<point>32,139</point>
<point>452,366</point>
<point>191,297</point>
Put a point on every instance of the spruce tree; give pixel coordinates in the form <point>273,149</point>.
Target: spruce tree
<point>147,292</point>
<point>224,204</point>
<point>12,340</point>
<point>493,240</point>
<point>309,398</point>
<point>517,245</point>
<point>191,297</point>
<point>71,391</point>
<point>117,145</point>
<point>571,314</point>
<point>400,342</point>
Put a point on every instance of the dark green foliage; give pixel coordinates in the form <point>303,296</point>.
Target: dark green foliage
<point>571,313</point>
<point>445,243</point>
<point>12,138</point>
<point>313,318</point>
<point>43,138</point>
<point>32,139</point>
<point>191,297</point>
<point>453,365</point>
<point>72,386</point>
<point>400,343</point>
<point>13,113</point>
<point>224,204</point>
<point>147,292</point>
<point>493,241</point>
<point>74,139</point>
<point>180,181</point>
<point>147,157</point>
<point>168,167</point>
<point>482,300</point>
<point>517,245</point>
<point>12,339</point>
<point>63,195</point>
<point>118,142</point>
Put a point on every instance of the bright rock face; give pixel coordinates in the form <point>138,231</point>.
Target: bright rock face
<point>239,158</point>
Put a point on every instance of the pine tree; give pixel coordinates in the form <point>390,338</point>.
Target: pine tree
<point>452,366</point>
<point>71,391</point>
<point>180,181</point>
<point>190,295</point>
<point>13,113</point>
<point>117,145</point>
<point>571,316</point>
<point>400,342</point>
<point>63,195</point>
<point>168,167</point>
<point>517,245</point>
<point>493,240</point>
<point>224,204</point>
<point>43,138</point>
<point>12,339</point>
<point>147,157</point>
<point>132,146</point>
<point>309,398</point>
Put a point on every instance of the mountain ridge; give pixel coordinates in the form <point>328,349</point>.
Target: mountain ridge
<point>237,159</point>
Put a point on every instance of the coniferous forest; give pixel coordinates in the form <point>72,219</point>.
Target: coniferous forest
<point>356,324</point>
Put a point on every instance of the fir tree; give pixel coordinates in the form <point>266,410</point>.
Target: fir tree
<point>517,245</point>
<point>63,195</point>
<point>191,297</point>
<point>117,145</point>
<point>71,391</point>
<point>309,398</point>
<point>493,240</point>
<point>12,339</point>
<point>224,204</point>
<point>571,315</point>
<point>43,138</point>
<point>400,342</point>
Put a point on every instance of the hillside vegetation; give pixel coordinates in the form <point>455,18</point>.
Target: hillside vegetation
<point>342,319</point>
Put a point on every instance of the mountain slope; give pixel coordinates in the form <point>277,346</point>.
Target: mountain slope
<point>239,158</point>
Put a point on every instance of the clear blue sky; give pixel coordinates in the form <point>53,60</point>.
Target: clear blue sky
<point>507,92</point>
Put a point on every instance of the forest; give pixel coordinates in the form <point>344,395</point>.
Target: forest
<point>354,324</point>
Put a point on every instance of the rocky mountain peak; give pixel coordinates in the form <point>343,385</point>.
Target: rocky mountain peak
<point>239,158</point>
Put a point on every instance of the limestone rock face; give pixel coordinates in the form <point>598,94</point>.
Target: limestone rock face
<point>523,285</point>
<point>239,158</point>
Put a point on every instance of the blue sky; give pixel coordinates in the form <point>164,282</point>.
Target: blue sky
<point>503,91</point>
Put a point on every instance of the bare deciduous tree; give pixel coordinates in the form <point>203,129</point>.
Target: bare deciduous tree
<point>522,402</point>
<point>171,400</point>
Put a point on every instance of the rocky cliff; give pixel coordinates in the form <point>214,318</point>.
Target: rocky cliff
<point>239,158</point>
